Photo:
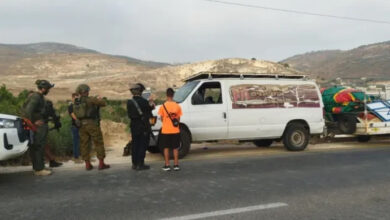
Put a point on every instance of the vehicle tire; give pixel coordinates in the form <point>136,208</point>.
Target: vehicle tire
<point>347,124</point>
<point>263,143</point>
<point>363,138</point>
<point>154,149</point>
<point>185,144</point>
<point>296,137</point>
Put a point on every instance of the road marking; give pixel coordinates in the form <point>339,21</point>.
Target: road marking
<point>228,211</point>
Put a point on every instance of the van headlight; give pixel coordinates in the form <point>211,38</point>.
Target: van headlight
<point>7,123</point>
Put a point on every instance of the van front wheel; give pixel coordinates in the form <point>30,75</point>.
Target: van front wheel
<point>185,143</point>
<point>296,137</point>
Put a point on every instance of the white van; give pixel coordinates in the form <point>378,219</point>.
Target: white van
<point>13,138</point>
<point>247,107</point>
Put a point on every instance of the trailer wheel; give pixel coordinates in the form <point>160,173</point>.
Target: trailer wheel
<point>347,124</point>
<point>363,138</point>
<point>263,143</point>
<point>185,144</point>
<point>296,137</point>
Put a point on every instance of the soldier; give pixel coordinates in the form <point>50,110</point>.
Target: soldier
<point>34,109</point>
<point>128,148</point>
<point>139,111</point>
<point>86,110</point>
<point>55,119</point>
<point>50,114</point>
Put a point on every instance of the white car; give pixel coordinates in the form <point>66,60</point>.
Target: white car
<point>247,107</point>
<point>13,138</point>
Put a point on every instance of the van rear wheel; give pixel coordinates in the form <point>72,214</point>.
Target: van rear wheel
<point>296,137</point>
<point>263,143</point>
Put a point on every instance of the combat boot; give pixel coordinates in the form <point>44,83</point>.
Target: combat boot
<point>102,165</point>
<point>54,163</point>
<point>44,172</point>
<point>88,165</point>
<point>142,166</point>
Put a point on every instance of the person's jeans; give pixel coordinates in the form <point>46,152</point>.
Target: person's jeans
<point>76,142</point>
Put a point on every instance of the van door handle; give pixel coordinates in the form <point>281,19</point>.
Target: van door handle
<point>224,115</point>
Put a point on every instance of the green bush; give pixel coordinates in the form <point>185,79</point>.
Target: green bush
<point>115,111</point>
<point>9,104</point>
<point>62,108</point>
<point>61,141</point>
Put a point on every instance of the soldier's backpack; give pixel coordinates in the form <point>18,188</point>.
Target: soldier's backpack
<point>80,108</point>
<point>23,110</point>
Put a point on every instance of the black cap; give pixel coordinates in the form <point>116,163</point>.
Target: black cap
<point>142,86</point>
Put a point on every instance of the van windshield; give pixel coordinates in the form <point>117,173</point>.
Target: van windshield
<point>182,93</point>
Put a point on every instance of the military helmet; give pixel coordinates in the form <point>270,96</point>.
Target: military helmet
<point>44,84</point>
<point>82,88</point>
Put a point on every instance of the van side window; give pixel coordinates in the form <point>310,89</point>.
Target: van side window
<point>208,93</point>
<point>274,96</point>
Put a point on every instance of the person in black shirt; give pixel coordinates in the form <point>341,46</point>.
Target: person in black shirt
<point>140,126</point>
<point>75,129</point>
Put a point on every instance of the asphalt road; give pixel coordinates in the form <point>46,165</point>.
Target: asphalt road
<point>341,184</point>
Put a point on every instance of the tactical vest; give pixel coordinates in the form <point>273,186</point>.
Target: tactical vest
<point>83,110</point>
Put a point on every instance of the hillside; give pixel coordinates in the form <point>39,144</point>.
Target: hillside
<point>28,57</point>
<point>108,75</point>
<point>44,48</point>
<point>371,61</point>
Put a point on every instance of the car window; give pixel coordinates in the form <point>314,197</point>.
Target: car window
<point>182,93</point>
<point>207,94</point>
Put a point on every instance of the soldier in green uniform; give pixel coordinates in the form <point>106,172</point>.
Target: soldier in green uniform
<point>34,109</point>
<point>87,111</point>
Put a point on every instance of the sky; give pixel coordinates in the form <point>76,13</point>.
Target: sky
<point>178,31</point>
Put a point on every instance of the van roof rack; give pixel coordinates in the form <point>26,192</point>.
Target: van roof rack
<point>214,75</point>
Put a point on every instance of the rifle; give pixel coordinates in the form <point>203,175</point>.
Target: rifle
<point>52,116</point>
<point>29,129</point>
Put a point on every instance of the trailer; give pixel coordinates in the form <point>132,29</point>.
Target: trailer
<point>354,113</point>
<point>366,128</point>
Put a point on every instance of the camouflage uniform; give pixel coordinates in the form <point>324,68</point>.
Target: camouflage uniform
<point>90,129</point>
<point>35,109</point>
